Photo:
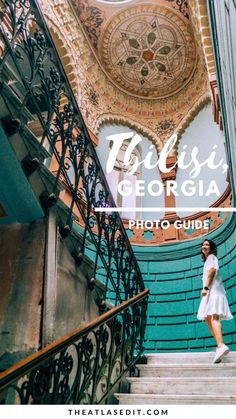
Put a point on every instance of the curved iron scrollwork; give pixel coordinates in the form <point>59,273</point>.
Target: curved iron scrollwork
<point>40,83</point>
<point>85,370</point>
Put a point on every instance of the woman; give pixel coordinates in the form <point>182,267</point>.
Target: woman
<point>214,306</point>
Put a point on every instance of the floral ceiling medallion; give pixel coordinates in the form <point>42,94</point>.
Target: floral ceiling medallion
<point>149,51</point>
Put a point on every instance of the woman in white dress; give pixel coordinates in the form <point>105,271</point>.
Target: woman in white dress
<point>214,306</point>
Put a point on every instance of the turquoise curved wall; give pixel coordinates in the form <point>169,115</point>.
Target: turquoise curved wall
<point>173,275</point>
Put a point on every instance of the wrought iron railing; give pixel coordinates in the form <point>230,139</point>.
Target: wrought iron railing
<point>31,69</point>
<point>84,367</point>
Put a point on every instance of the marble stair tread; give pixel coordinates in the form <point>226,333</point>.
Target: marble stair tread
<point>188,358</point>
<point>183,378</point>
<point>183,385</point>
<point>189,370</point>
<point>154,399</point>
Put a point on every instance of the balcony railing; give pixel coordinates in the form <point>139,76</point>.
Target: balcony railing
<point>31,69</point>
<point>84,367</point>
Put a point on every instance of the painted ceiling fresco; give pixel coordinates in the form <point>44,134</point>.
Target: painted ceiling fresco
<point>146,49</point>
<point>153,66</point>
<point>150,52</point>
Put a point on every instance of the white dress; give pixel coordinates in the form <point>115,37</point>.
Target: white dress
<point>215,302</point>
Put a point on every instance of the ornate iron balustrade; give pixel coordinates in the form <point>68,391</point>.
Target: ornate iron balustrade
<point>84,367</point>
<point>31,69</point>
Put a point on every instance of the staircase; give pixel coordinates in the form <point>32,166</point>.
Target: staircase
<point>183,378</point>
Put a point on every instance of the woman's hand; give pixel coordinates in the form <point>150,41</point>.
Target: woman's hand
<point>204,293</point>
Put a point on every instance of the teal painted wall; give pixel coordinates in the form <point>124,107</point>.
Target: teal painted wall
<point>173,275</point>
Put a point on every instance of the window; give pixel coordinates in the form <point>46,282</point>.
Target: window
<point>120,173</point>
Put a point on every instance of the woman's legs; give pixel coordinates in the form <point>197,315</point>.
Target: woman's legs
<point>214,325</point>
<point>217,329</point>
<point>208,322</point>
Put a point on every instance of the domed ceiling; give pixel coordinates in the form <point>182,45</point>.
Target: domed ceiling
<point>146,49</point>
<point>148,52</point>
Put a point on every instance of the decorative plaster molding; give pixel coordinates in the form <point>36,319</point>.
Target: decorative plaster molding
<point>198,106</point>
<point>139,128</point>
<point>100,100</point>
<point>200,21</point>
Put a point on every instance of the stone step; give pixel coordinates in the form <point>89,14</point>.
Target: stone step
<point>25,142</point>
<point>183,378</point>
<point>26,145</point>
<point>11,104</point>
<point>156,399</point>
<point>187,358</point>
<point>180,386</point>
<point>183,370</point>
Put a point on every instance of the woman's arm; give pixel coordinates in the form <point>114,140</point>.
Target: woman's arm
<point>210,275</point>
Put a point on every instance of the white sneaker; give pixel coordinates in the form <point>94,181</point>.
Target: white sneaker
<point>220,353</point>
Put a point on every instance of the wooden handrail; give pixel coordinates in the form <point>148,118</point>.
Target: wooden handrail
<point>21,367</point>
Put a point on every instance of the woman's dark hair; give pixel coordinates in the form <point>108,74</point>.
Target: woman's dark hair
<point>213,248</point>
